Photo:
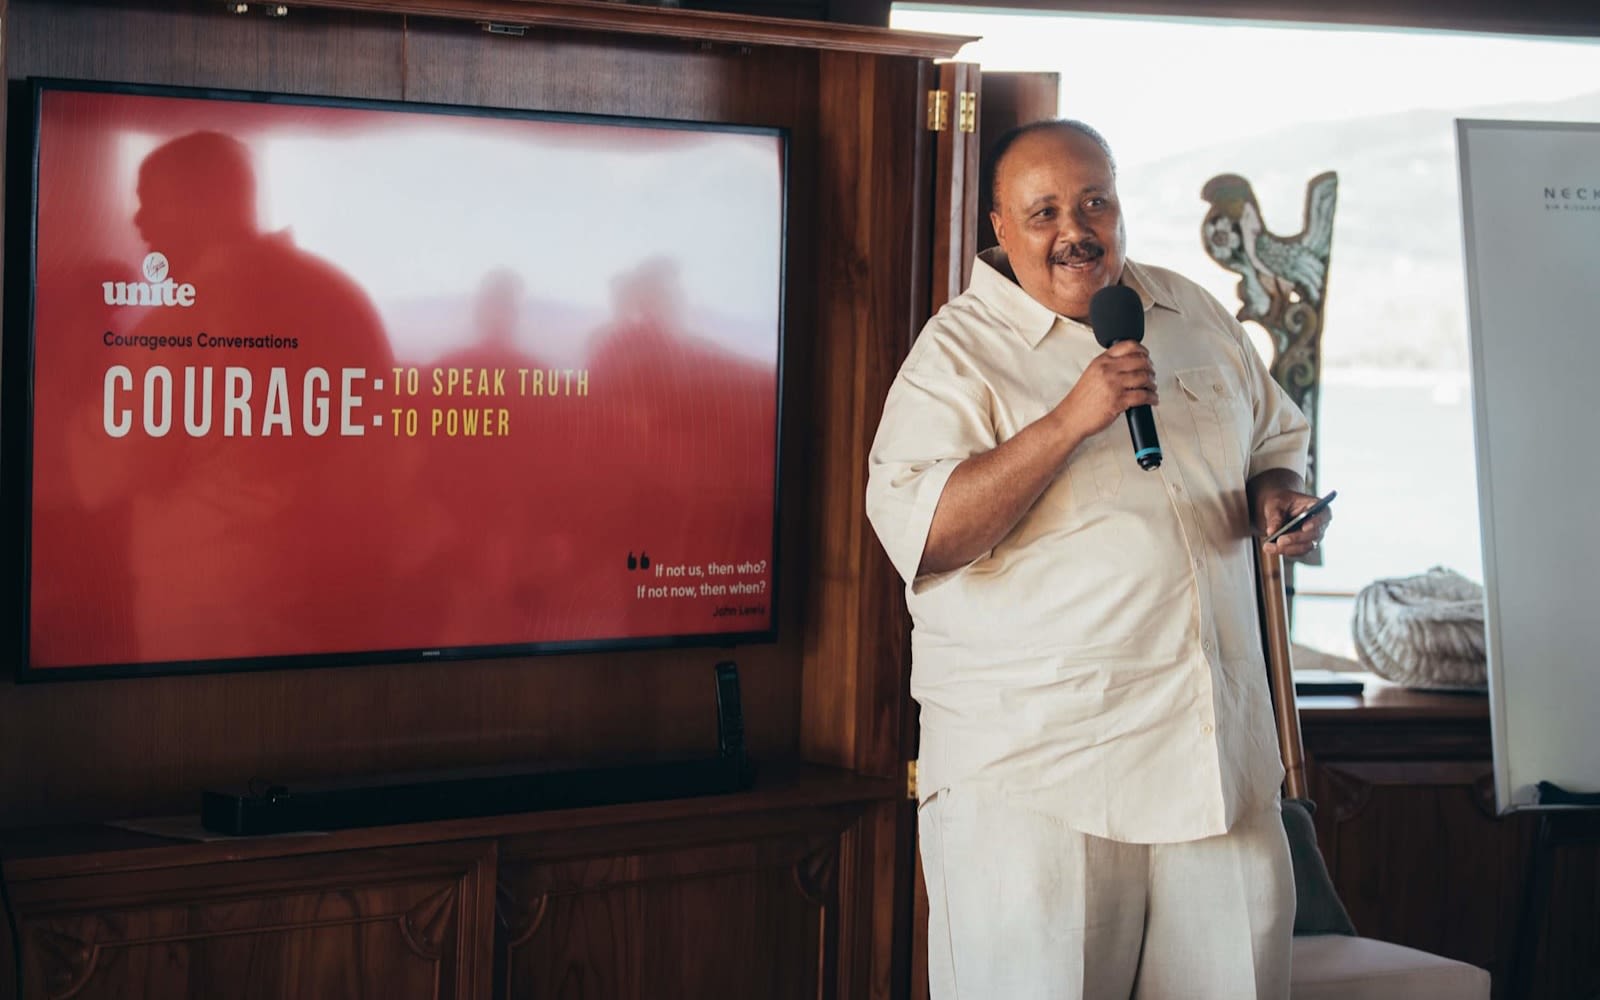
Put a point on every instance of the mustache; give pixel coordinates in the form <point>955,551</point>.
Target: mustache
<point>1074,253</point>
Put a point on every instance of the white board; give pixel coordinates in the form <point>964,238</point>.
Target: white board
<point>1530,197</point>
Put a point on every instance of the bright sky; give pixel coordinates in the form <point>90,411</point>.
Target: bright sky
<point>1132,69</point>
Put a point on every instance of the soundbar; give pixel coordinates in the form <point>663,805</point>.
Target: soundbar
<point>462,793</point>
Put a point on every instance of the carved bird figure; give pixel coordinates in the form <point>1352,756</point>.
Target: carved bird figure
<point>1283,280</point>
<point>1274,269</point>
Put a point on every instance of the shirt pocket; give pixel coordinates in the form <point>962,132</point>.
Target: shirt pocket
<point>1218,413</point>
<point>1093,474</point>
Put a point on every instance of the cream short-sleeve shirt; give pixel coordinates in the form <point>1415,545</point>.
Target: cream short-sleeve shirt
<point>1103,662</point>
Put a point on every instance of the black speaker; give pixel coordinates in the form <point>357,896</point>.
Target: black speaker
<point>486,791</point>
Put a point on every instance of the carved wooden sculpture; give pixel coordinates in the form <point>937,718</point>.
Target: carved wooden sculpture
<point>1284,280</point>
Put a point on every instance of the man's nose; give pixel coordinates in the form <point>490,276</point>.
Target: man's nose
<point>1072,227</point>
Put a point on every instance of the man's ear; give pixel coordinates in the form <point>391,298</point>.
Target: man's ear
<point>998,223</point>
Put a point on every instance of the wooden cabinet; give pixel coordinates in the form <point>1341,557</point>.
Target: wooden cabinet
<point>761,894</point>
<point>1404,786</point>
<point>405,922</point>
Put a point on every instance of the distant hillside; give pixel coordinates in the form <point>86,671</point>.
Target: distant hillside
<point>1396,287</point>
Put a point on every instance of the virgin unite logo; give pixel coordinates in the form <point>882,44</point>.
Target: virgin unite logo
<point>158,288</point>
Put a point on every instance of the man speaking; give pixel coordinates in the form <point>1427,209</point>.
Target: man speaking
<point>1099,767</point>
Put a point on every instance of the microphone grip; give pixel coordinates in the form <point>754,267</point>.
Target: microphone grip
<point>1146,446</point>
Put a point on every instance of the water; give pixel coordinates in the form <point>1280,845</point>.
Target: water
<point>1398,446</point>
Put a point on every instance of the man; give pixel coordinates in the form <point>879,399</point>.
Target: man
<point>1099,766</point>
<point>261,536</point>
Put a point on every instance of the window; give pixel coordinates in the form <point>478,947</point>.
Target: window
<point>1182,100</point>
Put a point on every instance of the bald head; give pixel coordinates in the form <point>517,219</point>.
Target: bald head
<point>1056,214</point>
<point>1002,146</point>
<point>196,192</point>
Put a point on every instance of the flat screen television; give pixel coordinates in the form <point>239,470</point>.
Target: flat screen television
<point>303,381</point>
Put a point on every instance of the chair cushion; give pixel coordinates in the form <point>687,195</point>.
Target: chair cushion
<point>1317,907</point>
<point>1334,967</point>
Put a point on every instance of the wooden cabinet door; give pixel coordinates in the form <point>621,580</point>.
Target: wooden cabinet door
<point>1419,857</point>
<point>953,117</point>
<point>1006,101</point>
<point>374,925</point>
<point>974,110</point>
<point>735,908</point>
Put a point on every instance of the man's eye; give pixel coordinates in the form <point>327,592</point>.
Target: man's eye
<point>1045,213</point>
<point>1096,203</point>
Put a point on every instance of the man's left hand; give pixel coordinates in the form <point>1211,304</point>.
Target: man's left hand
<point>1274,506</point>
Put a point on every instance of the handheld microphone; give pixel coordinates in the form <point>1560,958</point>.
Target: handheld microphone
<point>1116,314</point>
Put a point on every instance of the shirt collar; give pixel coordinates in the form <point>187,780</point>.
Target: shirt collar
<point>995,284</point>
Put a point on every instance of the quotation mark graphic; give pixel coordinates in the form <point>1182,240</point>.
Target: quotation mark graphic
<point>642,562</point>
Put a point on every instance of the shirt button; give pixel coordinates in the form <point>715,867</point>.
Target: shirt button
<point>1206,645</point>
<point>1207,729</point>
<point>1176,488</point>
<point>1217,386</point>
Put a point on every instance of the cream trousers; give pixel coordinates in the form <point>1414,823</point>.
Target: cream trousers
<point>1023,907</point>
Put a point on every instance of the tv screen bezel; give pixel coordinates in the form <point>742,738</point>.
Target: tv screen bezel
<point>17,384</point>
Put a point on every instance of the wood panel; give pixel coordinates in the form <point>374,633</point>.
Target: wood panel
<point>872,232</point>
<point>402,924</point>
<point>1403,783</point>
<point>955,187</point>
<point>875,186</point>
<point>587,72</point>
<point>195,44</point>
<point>1559,924</point>
<point>764,903</point>
<point>1008,100</point>
<point>652,19</point>
<point>1419,858</point>
<point>875,892</point>
<point>747,916</point>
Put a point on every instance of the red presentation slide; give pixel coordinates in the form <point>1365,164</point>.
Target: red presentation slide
<point>317,379</point>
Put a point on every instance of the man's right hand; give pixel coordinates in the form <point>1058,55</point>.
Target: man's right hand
<point>988,493</point>
<point>1121,377</point>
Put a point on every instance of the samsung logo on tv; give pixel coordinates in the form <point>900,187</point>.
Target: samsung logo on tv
<point>158,288</point>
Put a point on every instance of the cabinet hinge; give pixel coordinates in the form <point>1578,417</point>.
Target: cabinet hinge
<point>938,111</point>
<point>911,780</point>
<point>967,112</point>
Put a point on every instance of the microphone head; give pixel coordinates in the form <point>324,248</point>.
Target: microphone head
<point>1116,313</point>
